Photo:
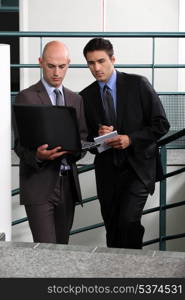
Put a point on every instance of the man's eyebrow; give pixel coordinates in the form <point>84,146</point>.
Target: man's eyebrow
<point>98,60</point>
<point>61,65</point>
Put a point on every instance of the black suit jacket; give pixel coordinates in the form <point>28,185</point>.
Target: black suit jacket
<point>141,116</point>
<point>37,181</point>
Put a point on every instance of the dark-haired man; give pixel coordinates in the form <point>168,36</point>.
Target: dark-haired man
<point>127,171</point>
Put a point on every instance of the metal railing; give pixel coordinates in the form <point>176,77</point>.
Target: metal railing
<point>161,208</point>
<point>152,35</point>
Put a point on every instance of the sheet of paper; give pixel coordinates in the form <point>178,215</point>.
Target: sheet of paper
<point>101,140</point>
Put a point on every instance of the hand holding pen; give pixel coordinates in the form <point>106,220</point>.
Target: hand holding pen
<point>104,129</point>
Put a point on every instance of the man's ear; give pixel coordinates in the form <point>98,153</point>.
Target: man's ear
<point>113,59</point>
<point>40,61</point>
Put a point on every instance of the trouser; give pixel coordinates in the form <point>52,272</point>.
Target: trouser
<point>122,217</point>
<point>51,222</point>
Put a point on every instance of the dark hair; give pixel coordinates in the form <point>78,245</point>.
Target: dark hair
<point>99,44</point>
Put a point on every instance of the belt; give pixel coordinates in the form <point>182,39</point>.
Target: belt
<point>64,172</point>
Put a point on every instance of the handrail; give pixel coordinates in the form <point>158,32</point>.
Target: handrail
<point>162,208</point>
<point>78,34</point>
<point>171,138</point>
<point>139,66</point>
<point>9,9</point>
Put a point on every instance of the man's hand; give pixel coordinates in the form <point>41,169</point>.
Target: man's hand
<point>103,129</point>
<point>119,141</point>
<point>44,154</point>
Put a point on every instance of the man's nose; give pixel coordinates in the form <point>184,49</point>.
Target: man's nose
<point>96,66</point>
<point>56,70</point>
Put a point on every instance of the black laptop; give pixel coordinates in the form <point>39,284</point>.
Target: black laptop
<point>49,124</point>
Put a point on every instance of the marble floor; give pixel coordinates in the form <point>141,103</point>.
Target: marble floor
<point>48,260</point>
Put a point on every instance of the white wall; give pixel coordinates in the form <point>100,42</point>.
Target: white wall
<point>99,15</point>
<point>5,133</point>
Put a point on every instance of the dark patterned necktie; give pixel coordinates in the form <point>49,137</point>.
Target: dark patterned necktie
<point>109,110</point>
<point>59,97</point>
<point>110,119</point>
<point>60,102</point>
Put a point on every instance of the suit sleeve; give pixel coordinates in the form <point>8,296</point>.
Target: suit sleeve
<point>82,129</point>
<point>155,121</point>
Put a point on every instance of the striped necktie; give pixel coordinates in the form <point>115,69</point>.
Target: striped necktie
<point>109,110</point>
<point>59,97</point>
<point>60,102</point>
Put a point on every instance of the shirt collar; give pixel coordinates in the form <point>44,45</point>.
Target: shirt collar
<point>49,88</point>
<point>111,83</point>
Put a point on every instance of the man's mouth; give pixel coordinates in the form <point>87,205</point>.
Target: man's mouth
<point>98,74</point>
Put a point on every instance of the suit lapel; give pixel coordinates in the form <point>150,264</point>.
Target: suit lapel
<point>67,98</point>
<point>122,98</point>
<point>42,94</point>
<point>97,103</point>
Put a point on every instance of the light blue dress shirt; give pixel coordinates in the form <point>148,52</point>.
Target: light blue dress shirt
<point>50,90</point>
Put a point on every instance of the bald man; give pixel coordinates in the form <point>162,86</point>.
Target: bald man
<point>49,185</point>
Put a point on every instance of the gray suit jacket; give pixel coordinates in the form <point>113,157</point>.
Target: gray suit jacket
<point>37,181</point>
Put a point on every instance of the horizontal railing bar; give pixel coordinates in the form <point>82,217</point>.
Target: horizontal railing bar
<point>85,168</point>
<point>174,236</point>
<point>167,206</point>
<point>147,243</point>
<point>159,93</point>
<point>86,228</point>
<point>136,66</point>
<point>90,199</point>
<point>166,238</point>
<point>171,93</point>
<point>171,138</point>
<point>147,211</point>
<point>172,205</point>
<point>169,147</point>
<point>15,192</point>
<point>93,34</point>
<point>25,66</point>
<point>175,165</point>
<point>151,210</point>
<point>174,173</point>
<point>170,66</point>
<point>9,9</point>
<point>98,225</point>
<point>16,222</point>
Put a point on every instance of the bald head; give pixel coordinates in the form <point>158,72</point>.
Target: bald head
<point>53,47</point>
<point>54,62</point>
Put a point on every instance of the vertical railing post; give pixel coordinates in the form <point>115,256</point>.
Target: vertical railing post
<point>162,200</point>
<point>153,60</point>
<point>41,49</point>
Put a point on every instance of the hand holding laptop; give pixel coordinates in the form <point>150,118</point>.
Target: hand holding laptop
<point>43,153</point>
